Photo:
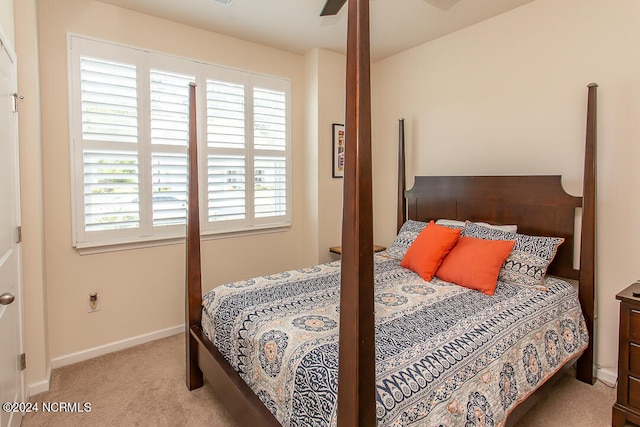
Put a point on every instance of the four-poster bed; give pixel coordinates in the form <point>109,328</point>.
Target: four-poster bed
<point>536,204</point>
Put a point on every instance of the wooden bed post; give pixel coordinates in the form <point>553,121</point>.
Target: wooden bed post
<point>193,275</point>
<point>402,184</point>
<point>356,372</point>
<point>586,365</point>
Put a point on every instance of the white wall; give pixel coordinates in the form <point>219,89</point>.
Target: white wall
<point>326,72</point>
<point>312,125</point>
<point>508,96</point>
<point>331,105</point>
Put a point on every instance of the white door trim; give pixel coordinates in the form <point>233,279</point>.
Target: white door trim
<point>6,46</point>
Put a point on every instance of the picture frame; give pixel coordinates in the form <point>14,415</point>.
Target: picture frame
<point>338,137</point>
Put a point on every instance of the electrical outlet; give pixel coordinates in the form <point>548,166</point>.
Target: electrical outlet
<point>94,302</point>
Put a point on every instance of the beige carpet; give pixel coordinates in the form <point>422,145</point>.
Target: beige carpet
<point>144,386</point>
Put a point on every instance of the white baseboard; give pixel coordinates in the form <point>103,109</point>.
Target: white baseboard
<point>607,376</point>
<point>40,386</point>
<point>114,346</point>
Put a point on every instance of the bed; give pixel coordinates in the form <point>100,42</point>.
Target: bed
<point>365,341</point>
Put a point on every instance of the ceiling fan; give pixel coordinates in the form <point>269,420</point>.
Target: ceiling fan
<point>332,7</point>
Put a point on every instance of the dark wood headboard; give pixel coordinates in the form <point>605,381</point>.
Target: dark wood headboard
<point>538,205</point>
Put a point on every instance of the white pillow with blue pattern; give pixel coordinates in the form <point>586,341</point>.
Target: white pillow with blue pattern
<point>527,264</point>
<point>460,224</point>
<point>407,234</point>
<point>410,230</point>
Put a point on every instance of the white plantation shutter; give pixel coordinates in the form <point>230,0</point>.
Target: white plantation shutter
<point>269,120</point>
<point>109,115</point>
<point>227,188</point>
<point>111,190</point>
<point>130,121</point>
<point>270,140</point>
<point>247,142</point>
<point>169,189</point>
<point>225,115</point>
<point>169,108</point>
<point>169,138</point>
<point>270,186</point>
<point>226,169</point>
<point>109,101</point>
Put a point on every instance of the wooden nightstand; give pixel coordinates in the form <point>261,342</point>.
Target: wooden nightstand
<point>338,249</point>
<point>627,406</point>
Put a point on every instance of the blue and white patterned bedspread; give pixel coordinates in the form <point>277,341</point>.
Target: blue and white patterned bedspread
<point>445,355</point>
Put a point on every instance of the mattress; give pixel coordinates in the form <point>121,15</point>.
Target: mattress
<point>445,355</point>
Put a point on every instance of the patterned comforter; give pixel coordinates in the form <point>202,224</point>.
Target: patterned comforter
<point>445,355</point>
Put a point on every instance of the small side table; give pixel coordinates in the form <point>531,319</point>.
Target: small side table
<point>627,406</point>
<point>338,249</point>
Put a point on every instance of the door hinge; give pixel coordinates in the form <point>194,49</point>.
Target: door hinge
<point>22,361</point>
<point>19,234</point>
<point>16,97</point>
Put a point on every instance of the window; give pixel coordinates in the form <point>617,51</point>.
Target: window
<point>129,118</point>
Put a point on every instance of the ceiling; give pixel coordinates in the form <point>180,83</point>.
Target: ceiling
<point>295,25</point>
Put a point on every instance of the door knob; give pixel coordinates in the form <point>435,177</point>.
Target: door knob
<point>6,298</point>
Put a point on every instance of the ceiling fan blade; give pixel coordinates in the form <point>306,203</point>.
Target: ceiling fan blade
<point>332,7</point>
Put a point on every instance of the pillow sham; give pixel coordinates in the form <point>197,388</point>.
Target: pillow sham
<point>426,253</point>
<point>454,223</point>
<point>475,263</point>
<point>461,224</point>
<point>528,262</point>
<point>407,234</point>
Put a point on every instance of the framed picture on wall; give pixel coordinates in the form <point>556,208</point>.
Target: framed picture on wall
<point>338,150</point>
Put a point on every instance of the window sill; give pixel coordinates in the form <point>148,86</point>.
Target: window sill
<point>141,243</point>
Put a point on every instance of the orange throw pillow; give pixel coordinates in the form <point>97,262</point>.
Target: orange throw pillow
<point>426,253</point>
<point>475,263</point>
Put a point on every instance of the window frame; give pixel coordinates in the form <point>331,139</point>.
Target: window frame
<point>147,234</point>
